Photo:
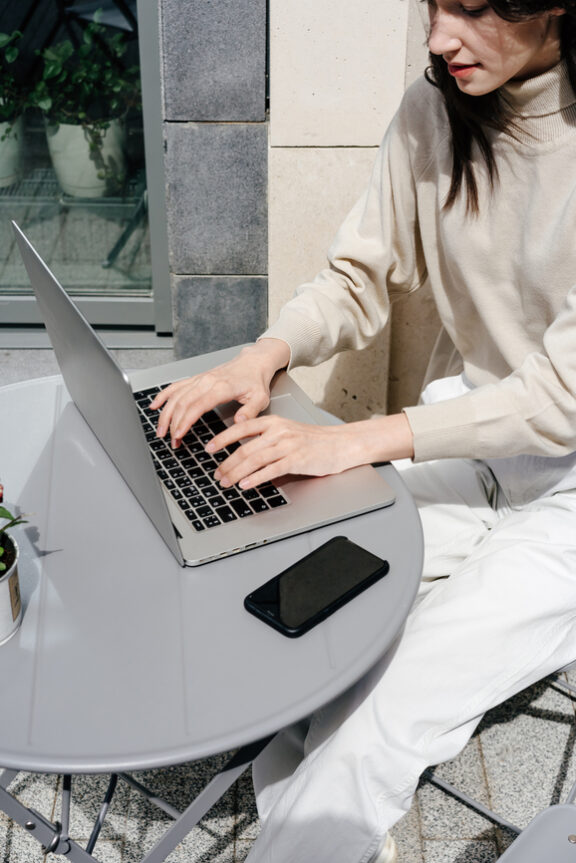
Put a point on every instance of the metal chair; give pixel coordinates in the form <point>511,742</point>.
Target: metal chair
<point>551,835</point>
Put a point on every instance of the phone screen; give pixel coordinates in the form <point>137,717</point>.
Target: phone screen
<point>314,587</point>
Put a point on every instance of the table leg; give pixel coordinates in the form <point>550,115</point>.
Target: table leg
<point>204,801</point>
<point>48,834</point>
<point>54,836</point>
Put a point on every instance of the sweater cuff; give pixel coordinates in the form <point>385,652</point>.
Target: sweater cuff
<point>444,430</point>
<point>302,335</point>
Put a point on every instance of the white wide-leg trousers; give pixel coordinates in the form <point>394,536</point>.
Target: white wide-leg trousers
<point>495,613</point>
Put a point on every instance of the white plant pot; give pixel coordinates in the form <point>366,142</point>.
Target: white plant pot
<point>83,172</point>
<point>11,136</point>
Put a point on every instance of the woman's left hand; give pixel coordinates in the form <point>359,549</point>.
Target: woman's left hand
<point>274,447</point>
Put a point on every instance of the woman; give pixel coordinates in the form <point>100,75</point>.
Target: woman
<point>474,191</point>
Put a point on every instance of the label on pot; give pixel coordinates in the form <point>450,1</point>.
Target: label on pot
<point>15,600</point>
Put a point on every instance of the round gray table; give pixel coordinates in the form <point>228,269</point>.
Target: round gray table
<point>149,663</point>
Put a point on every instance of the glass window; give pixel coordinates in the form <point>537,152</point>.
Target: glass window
<point>72,157</point>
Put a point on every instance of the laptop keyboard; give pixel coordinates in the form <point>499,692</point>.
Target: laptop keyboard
<point>188,472</point>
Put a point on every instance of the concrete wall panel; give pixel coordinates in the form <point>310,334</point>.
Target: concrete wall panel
<point>337,70</point>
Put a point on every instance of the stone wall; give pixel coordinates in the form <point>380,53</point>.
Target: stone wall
<point>215,131</point>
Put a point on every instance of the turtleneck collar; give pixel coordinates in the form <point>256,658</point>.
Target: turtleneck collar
<point>544,94</point>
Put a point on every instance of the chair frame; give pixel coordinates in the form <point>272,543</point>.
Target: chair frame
<point>556,812</point>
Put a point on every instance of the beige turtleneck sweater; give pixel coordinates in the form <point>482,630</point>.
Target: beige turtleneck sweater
<point>504,281</point>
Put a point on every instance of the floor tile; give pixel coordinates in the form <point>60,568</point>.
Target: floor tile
<point>459,851</point>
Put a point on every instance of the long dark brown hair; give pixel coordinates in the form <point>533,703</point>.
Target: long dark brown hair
<point>469,116</point>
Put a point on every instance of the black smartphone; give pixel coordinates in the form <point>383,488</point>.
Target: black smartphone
<point>313,588</point>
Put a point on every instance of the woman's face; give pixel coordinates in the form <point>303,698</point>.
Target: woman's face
<point>483,51</point>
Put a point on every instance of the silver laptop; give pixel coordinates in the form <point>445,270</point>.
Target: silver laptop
<point>197,519</point>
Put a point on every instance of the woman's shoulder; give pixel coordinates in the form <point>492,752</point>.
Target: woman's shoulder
<point>423,105</point>
<point>421,126</point>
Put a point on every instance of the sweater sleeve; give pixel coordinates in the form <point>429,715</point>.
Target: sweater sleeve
<point>531,411</point>
<point>376,254</point>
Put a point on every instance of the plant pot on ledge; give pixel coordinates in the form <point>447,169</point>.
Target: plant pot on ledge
<point>11,151</point>
<point>88,162</point>
<point>84,93</point>
<point>13,100</point>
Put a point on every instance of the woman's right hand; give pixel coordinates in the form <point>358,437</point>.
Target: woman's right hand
<point>245,379</point>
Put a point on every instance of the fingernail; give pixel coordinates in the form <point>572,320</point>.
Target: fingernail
<point>210,447</point>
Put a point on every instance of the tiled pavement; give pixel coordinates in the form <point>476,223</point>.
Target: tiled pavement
<point>521,759</point>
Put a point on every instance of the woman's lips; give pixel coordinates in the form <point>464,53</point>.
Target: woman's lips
<point>461,70</point>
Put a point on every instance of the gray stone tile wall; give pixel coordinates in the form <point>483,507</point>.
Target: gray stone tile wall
<point>215,59</point>
<point>216,180</point>
<point>215,134</point>
<point>217,312</point>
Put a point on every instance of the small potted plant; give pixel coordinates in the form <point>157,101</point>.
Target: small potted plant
<point>13,97</point>
<point>10,602</point>
<point>85,92</point>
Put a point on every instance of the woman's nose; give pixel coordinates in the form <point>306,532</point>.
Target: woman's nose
<point>443,37</point>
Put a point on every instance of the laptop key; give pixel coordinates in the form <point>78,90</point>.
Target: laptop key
<point>210,491</point>
<point>164,455</point>
<point>267,489</point>
<point>211,418</point>
<point>194,446</point>
<point>259,505</point>
<point>241,508</point>
<point>226,514</point>
<point>212,521</point>
<point>196,501</point>
<point>277,501</point>
<point>203,457</point>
